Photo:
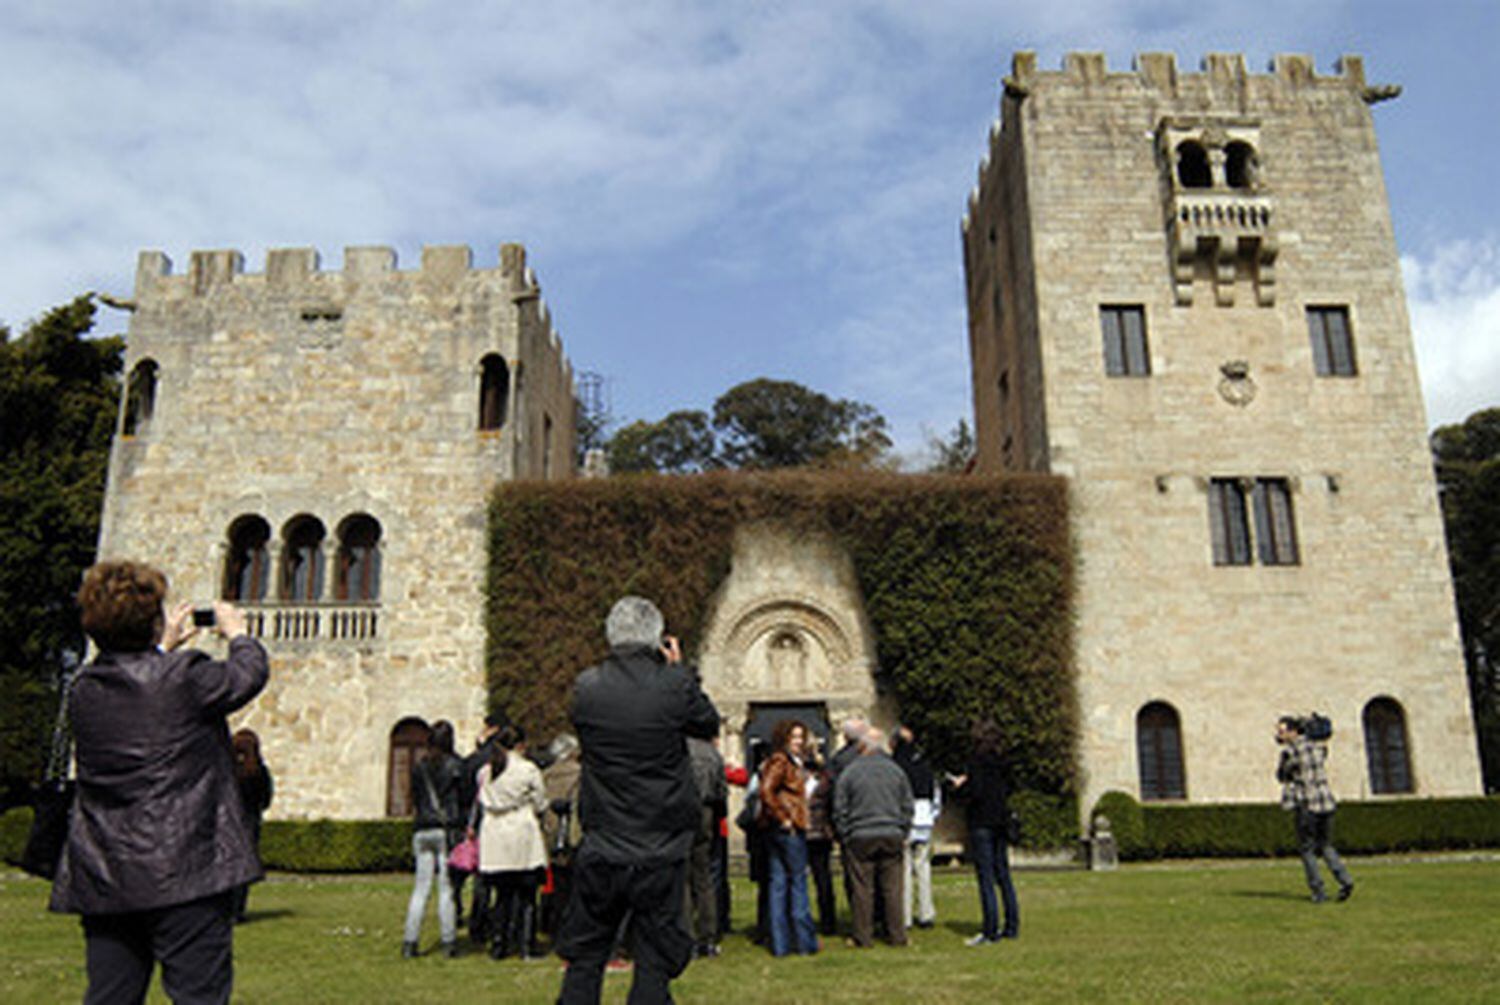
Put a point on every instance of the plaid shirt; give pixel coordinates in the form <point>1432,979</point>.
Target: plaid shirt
<point>1304,777</point>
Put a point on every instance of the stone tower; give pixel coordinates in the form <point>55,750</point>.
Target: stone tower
<point>1184,296</point>
<point>319,446</point>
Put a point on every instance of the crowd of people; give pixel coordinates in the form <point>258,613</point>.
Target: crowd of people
<point>611,841</point>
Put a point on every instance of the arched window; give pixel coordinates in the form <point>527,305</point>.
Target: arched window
<point>407,741</point>
<point>1239,165</point>
<point>1385,747</point>
<point>140,396</point>
<point>247,564</point>
<point>1158,743</point>
<point>1192,166</point>
<point>358,559</point>
<point>494,392</point>
<point>302,559</point>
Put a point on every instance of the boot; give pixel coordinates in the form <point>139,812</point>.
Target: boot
<point>526,932</point>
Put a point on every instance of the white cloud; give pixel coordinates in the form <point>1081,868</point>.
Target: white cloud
<point>1454,298</point>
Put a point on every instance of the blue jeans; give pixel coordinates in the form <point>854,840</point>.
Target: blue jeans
<point>430,849</point>
<point>992,867</point>
<point>791,916</point>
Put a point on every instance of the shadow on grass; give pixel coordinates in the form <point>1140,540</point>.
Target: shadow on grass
<point>252,916</point>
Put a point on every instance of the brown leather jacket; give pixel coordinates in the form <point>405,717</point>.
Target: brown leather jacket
<point>783,793</point>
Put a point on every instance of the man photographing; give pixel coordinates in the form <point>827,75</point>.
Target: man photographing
<point>638,805</point>
<point>1305,791</point>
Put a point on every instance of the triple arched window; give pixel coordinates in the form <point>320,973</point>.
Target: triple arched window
<point>301,560</point>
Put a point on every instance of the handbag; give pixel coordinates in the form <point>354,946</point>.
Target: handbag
<point>465,856</point>
<point>53,806</point>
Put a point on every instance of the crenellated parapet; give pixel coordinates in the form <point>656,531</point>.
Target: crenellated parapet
<point>291,268</point>
<point>1221,73</point>
<point>1221,200</point>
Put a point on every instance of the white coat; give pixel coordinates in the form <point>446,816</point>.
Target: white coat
<point>510,836</point>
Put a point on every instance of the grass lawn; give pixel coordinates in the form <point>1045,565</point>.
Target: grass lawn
<point>1415,930</point>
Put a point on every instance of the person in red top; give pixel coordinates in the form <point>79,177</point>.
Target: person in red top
<point>783,802</point>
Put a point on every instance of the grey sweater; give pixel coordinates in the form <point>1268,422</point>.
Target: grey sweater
<point>872,799</point>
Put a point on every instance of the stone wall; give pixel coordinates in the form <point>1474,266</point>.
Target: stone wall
<point>1224,277</point>
<point>334,393</point>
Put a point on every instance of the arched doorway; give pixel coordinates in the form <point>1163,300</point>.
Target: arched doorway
<point>407,740</point>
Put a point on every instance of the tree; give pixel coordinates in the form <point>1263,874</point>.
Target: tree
<point>1467,457</point>
<point>780,424</point>
<point>953,452</point>
<point>681,443</point>
<point>59,395</point>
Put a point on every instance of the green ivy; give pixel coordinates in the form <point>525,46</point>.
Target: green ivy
<point>967,583</point>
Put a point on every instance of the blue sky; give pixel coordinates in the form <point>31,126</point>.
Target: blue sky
<point>709,191</point>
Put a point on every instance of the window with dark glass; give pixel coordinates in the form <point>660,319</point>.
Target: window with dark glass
<point>1332,343</point>
<point>494,392</point>
<point>1385,747</point>
<point>247,563</point>
<point>358,559</point>
<point>140,396</point>
<point>302,560</point>
<point>1275,532</point>
<point>1125,353</point>
<point>1158,738</point>
<point>1231,504</point>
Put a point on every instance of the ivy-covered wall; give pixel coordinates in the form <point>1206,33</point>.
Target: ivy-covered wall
<point>967,583</point>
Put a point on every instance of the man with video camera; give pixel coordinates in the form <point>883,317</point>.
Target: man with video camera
<point>1305,791</point>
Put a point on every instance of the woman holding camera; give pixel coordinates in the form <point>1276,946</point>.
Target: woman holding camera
<point>158,839</point>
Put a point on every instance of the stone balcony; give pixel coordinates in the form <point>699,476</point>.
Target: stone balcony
<point>1234,232</point>
<point>316,622</point>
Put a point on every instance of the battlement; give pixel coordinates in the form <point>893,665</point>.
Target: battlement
<point>292,267</point>
<point>1219,71</point>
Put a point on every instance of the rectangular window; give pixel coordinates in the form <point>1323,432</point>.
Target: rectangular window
<point>1125,352</point>
<point>1332,345</point>
<point>1229,515</point>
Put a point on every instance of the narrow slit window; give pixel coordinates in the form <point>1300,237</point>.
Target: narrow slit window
<point>1332,342</point>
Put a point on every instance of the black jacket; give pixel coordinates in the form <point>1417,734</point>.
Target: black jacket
<point>633,715</point>
<point>987,793</point>
<point>437,788</point>
<point>159,820</point>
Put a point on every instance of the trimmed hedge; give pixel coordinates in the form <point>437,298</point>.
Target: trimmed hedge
<point>15,827</point>
<point>336,845</point>
<point>1246,830</point>
<point>967,583</point>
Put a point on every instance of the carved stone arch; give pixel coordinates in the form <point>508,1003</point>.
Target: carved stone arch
<point>788,645</point>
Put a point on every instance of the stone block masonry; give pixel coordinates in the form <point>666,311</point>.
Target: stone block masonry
<point>321,446</point>
<point>1148,255</point>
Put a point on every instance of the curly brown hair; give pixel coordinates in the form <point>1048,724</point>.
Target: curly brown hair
<point>121,604</point>
<point>781,735</point>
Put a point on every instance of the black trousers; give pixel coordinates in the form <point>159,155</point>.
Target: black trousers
<point>194,942</point>
<point>819,855</point>
<point>603,893</point>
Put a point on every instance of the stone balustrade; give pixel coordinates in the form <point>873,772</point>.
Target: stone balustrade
<point>322,622</point>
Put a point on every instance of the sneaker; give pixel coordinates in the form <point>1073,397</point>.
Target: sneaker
<point>1320,897</point>
<point>1345,892</point>
<point>979,940</point>
<point>408,950</point>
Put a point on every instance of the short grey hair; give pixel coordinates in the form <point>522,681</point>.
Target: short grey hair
<point>634,621</point>
<point>855,727</point>
<point>563,745</point>
<point>875,742</point>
